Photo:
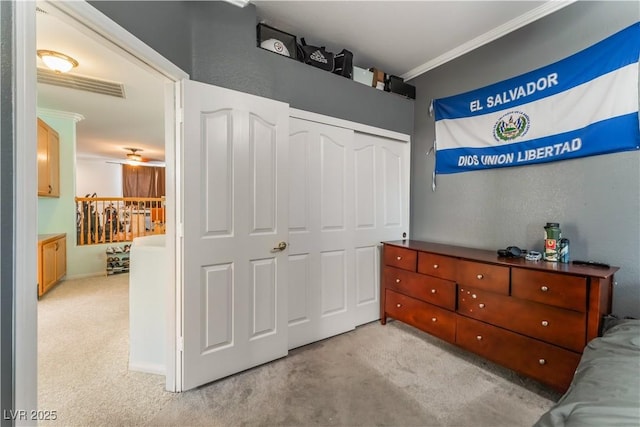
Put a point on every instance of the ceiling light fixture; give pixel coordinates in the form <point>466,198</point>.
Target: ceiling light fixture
<point>133,155</point>
<point>239,3</point>
<point>58,62</point>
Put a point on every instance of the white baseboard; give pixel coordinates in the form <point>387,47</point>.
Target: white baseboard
<point>148,368</point>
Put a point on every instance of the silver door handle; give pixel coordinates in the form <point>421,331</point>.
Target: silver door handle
<point>281,247</point>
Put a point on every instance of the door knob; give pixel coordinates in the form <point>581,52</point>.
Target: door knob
<point>281,247</point>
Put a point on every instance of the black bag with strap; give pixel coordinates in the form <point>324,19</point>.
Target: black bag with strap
<point>344,64</point>
<point>317,56</point>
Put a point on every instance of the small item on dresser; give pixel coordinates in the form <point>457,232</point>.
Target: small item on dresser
<point>511,252</point>
<point>533,256</point>
<point>563,251</point>
<point>591,263</point>
<point>552,236</point>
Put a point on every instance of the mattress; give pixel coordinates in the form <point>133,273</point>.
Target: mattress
<point>605,390</point>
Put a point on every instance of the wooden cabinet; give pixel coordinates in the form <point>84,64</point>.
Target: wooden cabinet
<point>532,317</point>
<point>52,260</point>
<point>48,161</point>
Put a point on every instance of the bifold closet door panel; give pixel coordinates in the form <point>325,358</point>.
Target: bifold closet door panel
<point>321,252</point>
<point>381,212</point>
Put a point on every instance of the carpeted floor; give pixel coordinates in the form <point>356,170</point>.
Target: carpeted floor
<point>377,375</point>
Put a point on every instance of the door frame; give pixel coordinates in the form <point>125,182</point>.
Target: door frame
<point>88,19</point>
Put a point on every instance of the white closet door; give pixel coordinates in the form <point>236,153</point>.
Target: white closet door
<point>321,256</point>
<point>348,192</point>
<point>235,191</point>
<point>381,174</point>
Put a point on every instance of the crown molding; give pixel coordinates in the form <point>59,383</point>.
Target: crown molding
<point>504,29</point>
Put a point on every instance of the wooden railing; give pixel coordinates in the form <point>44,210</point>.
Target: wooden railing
<point>118,219</point>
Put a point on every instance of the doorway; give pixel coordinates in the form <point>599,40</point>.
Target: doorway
<point>86,18</point>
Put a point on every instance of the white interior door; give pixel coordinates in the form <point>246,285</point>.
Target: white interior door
<point>235,191</point>
<point>321,256</point>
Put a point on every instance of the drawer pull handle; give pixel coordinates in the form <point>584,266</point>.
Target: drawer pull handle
<point>544,288</point>
<point>397,280</point>
<point>433,319</point>
<point>398,258</point>
<point>481,305</point>
<point>435,266</point>
<point>479,276</point>
<point>542,362</point>
<point>544,323</point>
<point>479,337</point>
<point>398,305</point>
<point>433,291</point>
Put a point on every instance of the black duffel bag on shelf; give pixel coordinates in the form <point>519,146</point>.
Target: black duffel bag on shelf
<point>317,56</point>
<point>344,64</point>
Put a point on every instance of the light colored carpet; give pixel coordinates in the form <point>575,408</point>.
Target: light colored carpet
<point>377,375</point>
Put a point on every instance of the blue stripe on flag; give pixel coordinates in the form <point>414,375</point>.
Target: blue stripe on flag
<point>608,136</point>
<point>614,52</point>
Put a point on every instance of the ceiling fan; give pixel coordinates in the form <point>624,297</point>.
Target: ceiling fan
<point>134,158</point>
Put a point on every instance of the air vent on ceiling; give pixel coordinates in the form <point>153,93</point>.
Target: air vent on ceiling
<point>72,81</point>
<point>39,10</point>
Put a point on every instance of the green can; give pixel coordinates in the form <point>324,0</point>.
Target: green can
<point>552,236</point>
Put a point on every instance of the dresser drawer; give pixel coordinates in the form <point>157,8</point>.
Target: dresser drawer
<point>440,266</point>
<point>560,290</point>
<point>426,288</point>
<point>494,278</point>
<point>565,328</point>
<point>544,362</point>
<point>424,316</point>
<point>400,257</point>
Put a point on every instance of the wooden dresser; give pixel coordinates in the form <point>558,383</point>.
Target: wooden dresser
<point>532,317</point>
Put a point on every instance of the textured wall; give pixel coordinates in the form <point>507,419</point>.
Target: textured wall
<point>163,25</point>
<point>215,43</point>
<point>596,200</point>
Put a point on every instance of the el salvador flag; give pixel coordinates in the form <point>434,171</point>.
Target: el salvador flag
<point>583,105</point>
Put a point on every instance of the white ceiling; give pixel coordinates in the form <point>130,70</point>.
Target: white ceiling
<point>404,38</point>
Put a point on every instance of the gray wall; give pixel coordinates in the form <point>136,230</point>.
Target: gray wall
<point>6,210</point>
<point>215,43</point>
<point>596,200</point>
